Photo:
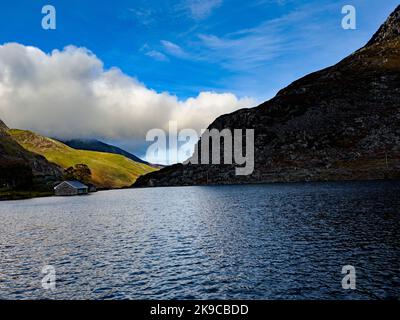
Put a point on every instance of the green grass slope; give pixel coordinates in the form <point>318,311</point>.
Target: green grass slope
<point>108,170</point>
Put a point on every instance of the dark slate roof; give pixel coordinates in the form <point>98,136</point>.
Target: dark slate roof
<point>76,184</point>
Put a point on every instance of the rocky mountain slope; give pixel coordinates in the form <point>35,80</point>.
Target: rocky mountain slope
<point>341,123</point>
<point>3,127</point>
<point>20,168</point>
<point>108,171</point>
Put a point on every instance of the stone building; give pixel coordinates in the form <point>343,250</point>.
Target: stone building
<point>71,188</point>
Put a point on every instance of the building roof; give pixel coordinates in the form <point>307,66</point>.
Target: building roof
<point>75,184</point>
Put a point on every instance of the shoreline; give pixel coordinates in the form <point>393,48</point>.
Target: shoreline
<point>23,195</point>
<point>26,195</point>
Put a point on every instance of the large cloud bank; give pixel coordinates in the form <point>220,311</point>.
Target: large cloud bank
<point>69,94</point>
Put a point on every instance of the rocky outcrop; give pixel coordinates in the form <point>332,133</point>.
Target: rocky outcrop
<point>3,127</point>
<point>341,123</point>
<point>390,30</point>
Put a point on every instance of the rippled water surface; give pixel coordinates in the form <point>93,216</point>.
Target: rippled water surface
<point>233,242</point>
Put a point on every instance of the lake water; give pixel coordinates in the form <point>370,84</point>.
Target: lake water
<point>229,242</point>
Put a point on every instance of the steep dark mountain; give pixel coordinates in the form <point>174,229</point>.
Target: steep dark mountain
<point>96,145</point>
<point>21,169</point>
<point>341,123</point>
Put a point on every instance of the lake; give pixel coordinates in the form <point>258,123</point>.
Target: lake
<point>279,241</point>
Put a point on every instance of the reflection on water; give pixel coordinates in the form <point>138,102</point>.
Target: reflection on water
<point>233,242</point>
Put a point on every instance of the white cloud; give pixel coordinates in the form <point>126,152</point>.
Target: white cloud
<point>68,93</point>
<point>173,49</point>
<point>201,9</point>
<point>145,16</point>
<point>254,48</point>
<point>156,55</point>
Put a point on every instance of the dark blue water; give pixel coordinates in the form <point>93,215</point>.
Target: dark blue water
<point>235,242</point>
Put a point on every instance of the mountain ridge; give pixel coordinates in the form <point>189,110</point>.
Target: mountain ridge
<point>389,30</point>
<point>97,145</point>
<point>3,127</point>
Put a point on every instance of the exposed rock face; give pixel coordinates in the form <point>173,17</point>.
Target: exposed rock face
<point>390,30</point>
<point>3,127</point>
<point>341,123</point>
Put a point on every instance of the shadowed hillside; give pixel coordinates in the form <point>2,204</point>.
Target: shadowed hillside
<point>23,171</point>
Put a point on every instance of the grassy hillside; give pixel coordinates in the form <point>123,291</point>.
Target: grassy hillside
<point>108,170</point>
<point>95,145</point>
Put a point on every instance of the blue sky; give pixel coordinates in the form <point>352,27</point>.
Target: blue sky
<point>249,49</point>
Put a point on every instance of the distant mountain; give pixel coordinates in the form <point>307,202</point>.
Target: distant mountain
<point>109,170</point>
<point>341,123</point>
<point>96,145</point>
